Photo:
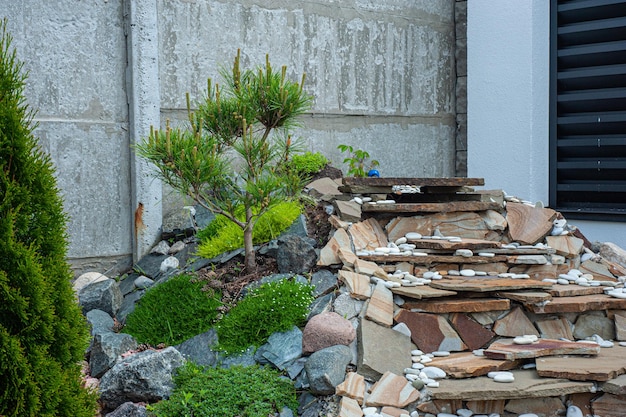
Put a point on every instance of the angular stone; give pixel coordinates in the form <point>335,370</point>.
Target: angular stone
<point>353,387</point>
<point>380,306</point>
<point>105,350</point>
<point>323,188</point>
<point>358,284</point>
<point>348,211</point>
<point>368,235</point>
<point>440,406</point>
<point>392,390</point>
<point>421,291</point>
<point>474,335</point>
<point>467,365</point>
<point>493,220</point>
<point>282,348</point>
<point>596,302</point>
<point>526,297</point>
<point>100,322</point>
<point>200,348</point>
<point>489,285</point>
<point>487,407</point>
<point>548,407</point>
<point>129,409</point>
<point>325,330</point>
<point>86,279</point>
<point>555,328</point>
<point>326,369</point>
<point>400,226</point>
<point>381,349</point>
<point>527,384</point>
<point>620,325</point>
<point>568,246</point>
<point>369,268</point>
<point>594,322</point>
<point>463,224</point>
<point>346,306</point>
<point>349,407</point>
<point>514,324</point>
<point>528,260</point>
<point>347,257</point>
<point>322,304</point>
<point>102,295</point>
<point>528,225</point>
<point>609,406</point>
<point>393,412</point>
<point>537,272</point>
<point>599,271</point>
<point>431,332</point>
<point>295,255</point>
<point>606,365</point>
<point>507,349</point>
<point>324,282</point>
<point>613,253</point>
<point>329,253</point>
<point>558,290</point>
<point>459,306</point>
<point>615,386</point>
<point>337,223</point>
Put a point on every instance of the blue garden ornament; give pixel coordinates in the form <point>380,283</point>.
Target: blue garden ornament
<point>373,173</point>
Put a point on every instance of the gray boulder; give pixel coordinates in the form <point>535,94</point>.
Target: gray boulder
<point>100,322</point>
<point>281,349</point>
<point>295,254</point>
<point>129,409</point>
<point>142,377</point>
<point>324,282</point>
<point>106,348</point>
<point>199,349</point>
<point>102,295</point>
<point>128,305</point>
<point>326,369</point>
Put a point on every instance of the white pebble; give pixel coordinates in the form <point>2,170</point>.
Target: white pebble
<point>419,253</point>
<point>493,374</point>
<point>466,253</point>
<point>411,377</point>
<point>622,343</point>
<point>401,241</point>
<point>441,353</point>
<point>428,274</point>
<point>368,411</point>
<point>464,412</point>
<point>562,281</point>
<point>504,378</point>
<point>434,373</point>
<point>487,254</point>
<point>412,371</point>
<point>573,411</point>
<point>468,272</point>
<point>454,272</point>
<point>358,200</point>
<point>520,276</point>
<point>413,236</point>
<point>479,352</point>
<point>386,202</point>
<point>417,366</point>
<point>416,352</point>
<point>426,359</point>
<point>434,384</point>
<point>550,280</point>
<point>528,415</point>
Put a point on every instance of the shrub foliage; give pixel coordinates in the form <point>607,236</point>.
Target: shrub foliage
<point>272,307</point>
<point>208,392</point>
<point>172,312</point>
<point>43,334</point>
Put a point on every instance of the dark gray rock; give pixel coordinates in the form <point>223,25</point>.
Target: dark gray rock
<point>324,282</point>
<point>296,367</point>
<point>321,305</point>
<point>270,249</point>
<point>127,284</point>
<point>143,377</point>
<point>295,254</point>
<point>102,295</point>
<point>100,321</point>
<point>150,265</point>
<point>281,349</point>
<point>326,368</point>
<point>106,348</point>
<point>128,305</point>
<point>143,282</point>
<point>129,409</point>
<point>199,349</point>
<point>243,359</point>
<point>298,227</point>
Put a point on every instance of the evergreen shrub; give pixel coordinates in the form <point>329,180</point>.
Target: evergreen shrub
<point>43,335</point>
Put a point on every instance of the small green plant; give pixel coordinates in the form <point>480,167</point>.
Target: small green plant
<point>222,235</point>
<point>307,163</point>
<point>237,391</point>
<point>172,312</point>
<point>357,161</point>
<point>272,307</point>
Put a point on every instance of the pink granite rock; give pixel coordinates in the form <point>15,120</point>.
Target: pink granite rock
<point>325,330</point>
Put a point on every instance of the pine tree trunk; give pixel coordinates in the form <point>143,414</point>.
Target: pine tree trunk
<point>247,242</point>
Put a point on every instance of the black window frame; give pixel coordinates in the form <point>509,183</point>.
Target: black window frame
<point>587,161</point>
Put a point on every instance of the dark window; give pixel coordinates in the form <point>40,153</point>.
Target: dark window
<point>588,108</point>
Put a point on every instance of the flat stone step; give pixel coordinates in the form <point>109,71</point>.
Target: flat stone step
<point>573,290</point>
<point>434,259</point>
<point>607,364</point>
<point>485,284</point>
<point>473,305</point>
<point>418,182</point>
<point>527,384</point>
<point>468,365</point>
<point>421,292</point>
<point>431,207</point>
<point>507,349</point>
<point>595,302</point>
<point>444,244</point>
<point>525,297</point>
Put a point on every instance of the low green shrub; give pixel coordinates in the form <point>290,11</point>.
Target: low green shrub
<point>272,307</point>
<point>209,392</point>
<point>172,312</point>
<point>307,163</point>
<point>222,235</point>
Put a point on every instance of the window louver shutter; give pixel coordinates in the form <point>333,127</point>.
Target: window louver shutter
<point>588,109</point>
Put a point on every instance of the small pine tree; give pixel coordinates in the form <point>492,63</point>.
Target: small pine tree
<point>43,334</point>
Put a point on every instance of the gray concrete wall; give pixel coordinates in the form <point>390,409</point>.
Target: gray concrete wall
<point>382,74</point>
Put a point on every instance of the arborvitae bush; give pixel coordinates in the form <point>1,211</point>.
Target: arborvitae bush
<point>43,334</point>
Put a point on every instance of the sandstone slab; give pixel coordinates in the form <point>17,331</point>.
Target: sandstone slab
<point>485,284</point>
<point>609,406</point>
<point>392,390</point>
<point>353,387</point>
<point>369,268</point>
<point>579,304</point>
<point>573,290</point>
<point>380,306</point>
<point>507,349</point>
<point>547,407</point>
<point>367,235</point>
<point>349,407</point>
<point>472,333</point>
<point>467,365</point>
<point>607,364</point>
<point>568,246</point>
<point>423,291</point>
<point>555,328</point>
<point>487,407</point>
<point>526,297</point>
<point>527,384</point>
<point>381,349</point>
<point>516,323</point>
<point>329,253</point>
<point>471,305</point>
<point>348,211</point>
<point>431,332</point>
<point>599,271</point>
<point>616,386</point>
<point>358,284</point>
<point>528,225</point>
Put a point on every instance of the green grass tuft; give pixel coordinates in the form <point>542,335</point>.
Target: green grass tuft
<point>209,392</point>
<point>173,312</point>
<point>272,307</point>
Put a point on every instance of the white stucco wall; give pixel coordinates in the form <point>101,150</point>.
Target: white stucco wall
<point>508,96</point>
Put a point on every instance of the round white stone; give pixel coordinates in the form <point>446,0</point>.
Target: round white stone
<point>528,415</point>
<point>464,412</point>
<point>573,411</point>
<point>428,274</point>
<point>426,359</point>
<point>434,384</point>
<point>368,411</point>
<point>468,272</point>
<point>466,253</point>
<point>522,340</point>
<point>434,373</point>
<point>504,378</point>
<point>441,353</point>
<point>419,253</point>
<point>417,366</point>
<point>401,241</point>
<point>493,374</point>
<point>562,281</point>
<point>487,254</point>
<point>412,371</point>
<point>454,272</point>
<point>416,352</point>
<point>358,200</point>
<point>413,235</point>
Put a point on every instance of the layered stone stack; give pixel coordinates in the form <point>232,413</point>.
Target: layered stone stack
<point>471,283</point>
